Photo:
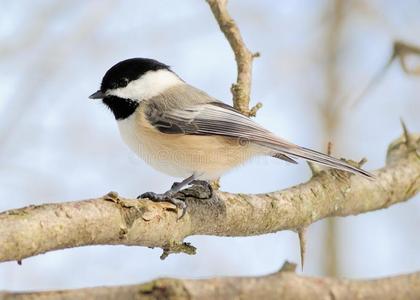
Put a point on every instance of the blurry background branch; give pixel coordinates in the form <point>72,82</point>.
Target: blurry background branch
<point>48,65</point>
<point>115,220</point>
<point>331,114</point>
<point>284,284</point>
<point>401,51</point>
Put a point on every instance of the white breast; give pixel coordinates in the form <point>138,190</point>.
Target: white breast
<point>145,144</point>
<point>209,157</point>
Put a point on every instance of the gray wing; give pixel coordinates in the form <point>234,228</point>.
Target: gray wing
<point>212,117</point>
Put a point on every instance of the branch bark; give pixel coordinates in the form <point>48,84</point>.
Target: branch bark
<point>115,220</point>
<point>241,90</point>
<point>284,284</point>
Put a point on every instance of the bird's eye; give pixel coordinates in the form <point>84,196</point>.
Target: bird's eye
<point>122,82</point>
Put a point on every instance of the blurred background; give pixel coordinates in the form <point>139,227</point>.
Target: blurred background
<point>317,56</point>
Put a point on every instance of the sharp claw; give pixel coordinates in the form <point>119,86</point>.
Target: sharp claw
<point>181,206</point>
<point>149,195</point>
<point>166,197</point>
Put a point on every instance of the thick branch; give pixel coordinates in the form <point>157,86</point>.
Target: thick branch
<point>111,220</point>
<point>281,285</point>
<point>241,90</point>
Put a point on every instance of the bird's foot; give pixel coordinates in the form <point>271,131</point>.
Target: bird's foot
<point>166,197</point>
<point>204,184</point>
<point>169,195</point>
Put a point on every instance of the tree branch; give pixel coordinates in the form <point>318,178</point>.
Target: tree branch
<point>284,284</point>
<point>241,90</point>
<point>112,220</point>
<point>400,51</point>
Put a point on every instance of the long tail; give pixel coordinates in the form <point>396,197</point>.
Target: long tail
<point>321,158</point>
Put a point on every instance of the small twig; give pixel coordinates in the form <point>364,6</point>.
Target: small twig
<point>302,245</point>
<point>329,148</point>
<point>408,139</point>
<point>175,247</point>
<point>401,51</point>
<point>288,267</point>
<point>362,162</point>
<point>254,109</point>
<point>315,168</point>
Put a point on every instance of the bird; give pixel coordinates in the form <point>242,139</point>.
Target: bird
<point>182,131</point>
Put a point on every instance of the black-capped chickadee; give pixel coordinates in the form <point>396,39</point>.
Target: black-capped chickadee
<point>181,131</point>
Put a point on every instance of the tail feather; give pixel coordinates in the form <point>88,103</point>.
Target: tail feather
<point>329,161</point>
<point>321,158</point>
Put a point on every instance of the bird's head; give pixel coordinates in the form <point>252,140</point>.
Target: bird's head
<point>130,81</point>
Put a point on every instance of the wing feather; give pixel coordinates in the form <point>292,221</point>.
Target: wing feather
<point>216,118</point>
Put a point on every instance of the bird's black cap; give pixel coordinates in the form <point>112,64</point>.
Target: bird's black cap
<point>128,70</point>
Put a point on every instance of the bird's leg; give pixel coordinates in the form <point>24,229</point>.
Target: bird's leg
<point>168,195</point>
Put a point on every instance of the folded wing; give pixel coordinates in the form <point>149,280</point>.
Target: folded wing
<point>217,118</point>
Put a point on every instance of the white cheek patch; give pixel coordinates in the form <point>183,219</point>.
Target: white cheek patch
<point>149,85</point>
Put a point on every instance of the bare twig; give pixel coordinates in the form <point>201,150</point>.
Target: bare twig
<point>115,220</point>
<point>302,245</point>
<point>376,79</point>
<point>241,90</point>
<point>401,51</point>
<point>284,284</point>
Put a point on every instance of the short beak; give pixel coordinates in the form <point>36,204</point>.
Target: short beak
<point>97,95</point>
